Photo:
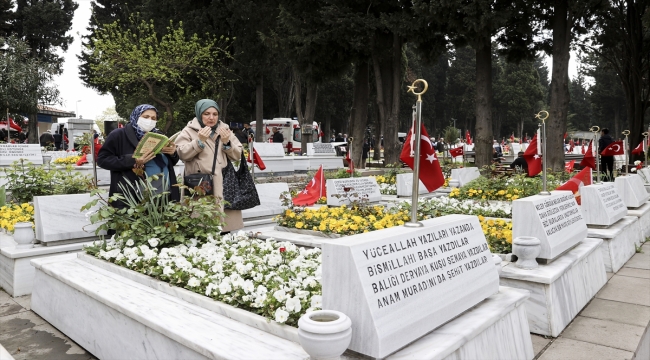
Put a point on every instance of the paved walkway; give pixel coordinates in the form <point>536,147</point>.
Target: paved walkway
<point>609,327</point>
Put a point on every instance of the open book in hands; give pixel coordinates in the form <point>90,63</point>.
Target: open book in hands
<point>153,142</point>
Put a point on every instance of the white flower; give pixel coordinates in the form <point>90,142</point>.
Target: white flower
<point>262,290</point>
<point>281,316</point>
<point>129,242</point>
<point>280,295</point>
<point>248,286</point>
<point>167,270</point>
<point>193,282</point>
<point>317,301</point>
<point>301,294</point>
<point>225,287</point>
<point>293,305</point>
<point>633,169</point>
<point>153,242</point>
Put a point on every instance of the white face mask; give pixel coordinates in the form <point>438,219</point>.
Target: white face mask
<point>146,124</point>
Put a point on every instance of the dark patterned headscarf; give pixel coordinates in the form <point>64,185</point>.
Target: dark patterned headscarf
<point>135,115</point>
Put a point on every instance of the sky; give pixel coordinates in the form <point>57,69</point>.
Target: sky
<point>72,89</point>
<point>90,103</point>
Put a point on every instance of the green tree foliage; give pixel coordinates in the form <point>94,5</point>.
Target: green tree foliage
<point>6,17</point>
<point>606,94</point>
<point>168,67</point>
<point>580,114</point>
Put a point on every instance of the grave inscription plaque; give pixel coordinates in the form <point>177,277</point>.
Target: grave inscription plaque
<point>601,204</point>
<point>399,284</point>
<point>363,187</point>
<point>13,152</point>
<point>556,220</point>
<point>316,149</point>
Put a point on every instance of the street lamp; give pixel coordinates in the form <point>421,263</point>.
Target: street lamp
<point>76,111</point>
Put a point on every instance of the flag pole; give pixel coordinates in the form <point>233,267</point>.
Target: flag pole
<point>252,156</point>
<point>644,145</point>
<point>417,134</point>
<point>543,115</point>
<point>627,162</point>
<point>595,129</point>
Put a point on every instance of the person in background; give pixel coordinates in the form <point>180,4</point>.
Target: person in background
<point>248,131</point>
<point>332,138</point>
<point>345,137</point>
<point>441,145</point>
<point>365,152</point>
<point>606,162</point>
<point>58,139</point>
<point>46,138</point>
<point>277,136</point>
<point>241,136</point>
<point>196,146</point>
<point>116,155</point>
<point>520,163</point>
<point>339,138</point>
<point>497,148</point>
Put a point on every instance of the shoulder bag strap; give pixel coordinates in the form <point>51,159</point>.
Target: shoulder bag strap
<point>216,151</point>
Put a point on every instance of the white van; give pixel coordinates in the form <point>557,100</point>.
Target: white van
<point>290,130</point>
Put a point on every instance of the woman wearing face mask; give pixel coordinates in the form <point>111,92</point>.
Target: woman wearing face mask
<point>116,155</point>
<point>196,146</point>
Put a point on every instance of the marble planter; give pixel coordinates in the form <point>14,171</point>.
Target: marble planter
<point>527,249</point>
<point>325,334</point>
<point>24,235</point>
<point>619,242</point>
<point>559,290</point>
<point>113,317</point>
<point>307,232</point>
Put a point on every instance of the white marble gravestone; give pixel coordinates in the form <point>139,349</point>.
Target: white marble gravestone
<point>13,152</point>
<point>556,220</point>
<point>645,174</point>
<point>59,219</point>
<point>273,156</point>
<point>405,185</point>
<point>465,175</point>
<point>269,149</point>
<point>631,189</point>
<point>270,203</point>
<point>601,204</point>
<point>398,284</point>
<point>320,149</point>
<point>365,188</point>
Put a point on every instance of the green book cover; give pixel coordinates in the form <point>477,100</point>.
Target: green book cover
<point>150,141</point>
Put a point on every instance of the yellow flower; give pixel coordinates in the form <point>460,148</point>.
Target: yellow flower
<point>514,197</point>
<point>299,224</point>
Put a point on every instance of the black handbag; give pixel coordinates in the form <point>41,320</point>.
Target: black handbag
<point>201,180</point>
<point>238,187</point>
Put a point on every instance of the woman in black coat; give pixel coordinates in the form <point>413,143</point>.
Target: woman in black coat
<point>116,155</point>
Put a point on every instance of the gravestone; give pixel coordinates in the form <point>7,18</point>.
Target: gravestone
<point>269,149</point>
<point>399,284</point>
<point>465,175</point>
<point>320,149</point>
<point>645,175</point>
<point>405,185</point>
<point>601,204</point>
<point>632,190</point>
<point>273,156</point>
<point>361,188</point>
<point>270,203</point>
<point>59,219</point>
<point>556,220</point>
<point>13,152</point>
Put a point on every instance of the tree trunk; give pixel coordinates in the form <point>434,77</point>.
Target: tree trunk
<point>308,118</point>
<point>326,127</point>
<point>484,137</point>
<point>359,112</point>
<point>166,105</point>
<point>392,146</point>
<point>378,131</point>
<point>557,121</point>
<point>259,109</point>
<point>617,120</point>
<point>32,127</point>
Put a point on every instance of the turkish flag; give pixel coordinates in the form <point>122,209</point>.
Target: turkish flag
<point>313,191</point>
<point>512,137</point>
<point>639,148</point>
<point>257,159</point>
<point>588,160</point>
<point>457,151</point>
<point>569,166</point>
<point>430,172</point>
<point>571,145</point>
<point>468,139</point>
<point>583,178</point>
<point>350,163</point>
<point>582,148</point>
<point>615,148</point>
<point>533,159</point>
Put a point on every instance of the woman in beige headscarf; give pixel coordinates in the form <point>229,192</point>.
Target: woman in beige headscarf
<point>196,145</point>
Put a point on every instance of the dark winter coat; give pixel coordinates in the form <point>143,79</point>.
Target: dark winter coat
<point>116,155</point>
<point>604,142</point>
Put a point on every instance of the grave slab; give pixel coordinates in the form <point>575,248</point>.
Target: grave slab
<point>619,242</point>
<point>643,213</point>
<point>274,158</point>
<point>13,152</point>
<point>16,274</point>
<point>270,203</point>
<point>601,204</point>
<point>328,162</point>
<point>363,187</point>
<point>393,271</point>
<point>555,219</point>
<point>632,191</point>
<point>58,218</point>
<point>559,290</point>
<point>86,302</point>
<point>645,175</point>
<point>320,149</point>
<point>495,329</point>
<point>465,175</point>
<point>405,185</point>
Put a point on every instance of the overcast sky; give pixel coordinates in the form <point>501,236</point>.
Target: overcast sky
<point>91,103</point>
